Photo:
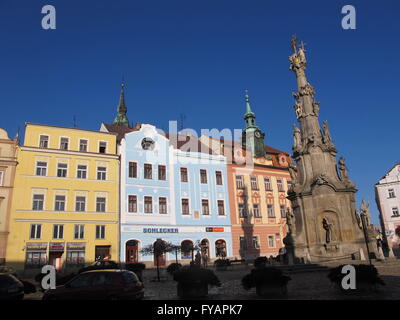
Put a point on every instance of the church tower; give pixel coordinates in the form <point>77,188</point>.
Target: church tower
<point>324,224</point>
<point>252,136</point>
<point>121,119</point>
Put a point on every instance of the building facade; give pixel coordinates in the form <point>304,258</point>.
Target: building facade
<point>258,179</point>
<point>65,210</point>
<point>180,197</point>
<point>387,196</point>
<point>8,163</point>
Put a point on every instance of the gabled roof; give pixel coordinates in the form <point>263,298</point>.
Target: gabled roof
<point>184,141</point>
<point>120,130</point>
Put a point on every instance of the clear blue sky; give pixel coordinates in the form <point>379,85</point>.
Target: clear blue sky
<point>197,57</point>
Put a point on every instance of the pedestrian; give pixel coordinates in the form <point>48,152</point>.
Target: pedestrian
<point>205,259</point>
<point>197,258</point>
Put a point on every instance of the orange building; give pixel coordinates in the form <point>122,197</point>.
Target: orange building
<point>258,181</point>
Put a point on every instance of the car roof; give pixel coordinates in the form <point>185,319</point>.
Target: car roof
<point>104,270</point>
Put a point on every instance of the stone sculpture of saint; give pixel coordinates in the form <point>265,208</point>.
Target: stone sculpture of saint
<point>316,107</point>
<point>290,220</point>
<point>328,229</point>
<point>327,135</point>
<point>293,173</point>
<point>365,210</point>
<point>343,170</point>
<point>297,138</point>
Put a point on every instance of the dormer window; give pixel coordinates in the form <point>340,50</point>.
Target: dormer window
<point>102,147</point>
<point>64,143</point>
<point>44,141</point>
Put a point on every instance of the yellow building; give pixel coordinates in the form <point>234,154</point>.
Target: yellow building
<point>8,163</point>
<point>65,209</point>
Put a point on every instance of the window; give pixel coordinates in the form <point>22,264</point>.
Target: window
<point>254,184</point>
<point>204,207</point>
<point>79,232</point>
<point>83,144</point>
<point>243,243</point>
<point>221,208</point>
<point>100,204</point>
<point>36,231</point>
<point>161,172</point>
<point>148,174</point>
<point>391,193</point>
<point>58,231</point>
<point>132,203</point>
<point>162,204</point>
<point>41,168</point>
<point>59,204</point>
<point>100,232</point>
<point>256,210</point>
<point>80,203</point>
<point>101,173</point>
<point>283,211</point>
<point>132,170</point>
<point>203,176</point>
<point>255,243</point>
<point>64,143</point>
<point>102,147</point>
<point>75,257</point>
<point>242,211</point>
<point>218,178</point>
<point>81,173</point>
<point>239,182</point>
<point>62,170</point>
<point>280,185</point>
<point>148,205</point>
<point>38,201</point>
<point>267,183</point>
<point>1,177</point>
<point>271,241</point>
<point>186,249</point>
<point>44,142</point>
<point>36,259</point>
<point>271,213</point>
<point>185,206</point>
<point>184,175</point>
<point>395,212</point>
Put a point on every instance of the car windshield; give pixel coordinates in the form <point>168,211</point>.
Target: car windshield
<point>82,280</point>
<point>6,279</point>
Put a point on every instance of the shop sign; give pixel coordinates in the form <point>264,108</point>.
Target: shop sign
<point>57,246</point>
<point>160,230</point>
<point>214,229</point>
<point>76,246</point>
<point>36,245</point>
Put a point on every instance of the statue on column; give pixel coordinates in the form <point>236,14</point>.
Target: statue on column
<point>328,229</point>
<point>293,173</point>
<point>365,210</point>
<point>297,138</point>
<point>343,169</point>
<point>298,109</point>
<point>290,220</point>
<point>327,135</point>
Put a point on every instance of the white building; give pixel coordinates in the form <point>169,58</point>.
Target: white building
<point>387,195</point>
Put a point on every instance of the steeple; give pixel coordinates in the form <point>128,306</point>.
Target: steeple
<point>249,116</point>
<point>252,137</point>
<point>121,119</point>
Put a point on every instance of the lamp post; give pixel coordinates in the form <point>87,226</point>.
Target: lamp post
<point>364,226</point>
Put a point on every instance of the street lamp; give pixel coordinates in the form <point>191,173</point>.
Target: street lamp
<point>364,227</point>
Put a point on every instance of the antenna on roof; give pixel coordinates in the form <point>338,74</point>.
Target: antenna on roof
<point>182,118</point>
<point>74,121</point>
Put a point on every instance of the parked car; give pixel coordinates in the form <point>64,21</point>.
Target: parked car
<point>10,287</point>
<point>99,285</point>
<point>9,270</point>
<point>100,265</point>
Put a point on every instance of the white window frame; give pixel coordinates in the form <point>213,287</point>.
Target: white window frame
<point>68,146</point>
<point>41,167</point>
<point>273,239</point>
<point>81,230</point>
<point>60,231</point>
<point>144,204</point>
<point>86,171</point>
<point>55,202</point>
<point>48,141</point>
<point>35,231</point>
<point>33,199</point>
<point>207,179</point>
<point>102,173</point>
<point>102,232</point>
<point>87,144</point>
<point>98,146</point>
<point>66,169</point>
<point>85,203</point>
<point>166,205</point>
<point>1,177</point>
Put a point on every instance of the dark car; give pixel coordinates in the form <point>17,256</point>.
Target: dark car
<point>99,285</point>
<point>10,287</point>
<point>100,265</point>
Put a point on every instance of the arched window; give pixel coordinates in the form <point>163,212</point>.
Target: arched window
<point>186,249</point>
<point>132,251</point>
<point>220,248</point>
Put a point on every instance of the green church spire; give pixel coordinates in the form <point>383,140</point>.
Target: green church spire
<point>121,119</point>
<point>249,116</point>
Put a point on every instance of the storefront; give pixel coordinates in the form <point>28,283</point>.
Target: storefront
<point>56,251</point>
<point>211,242</point>
<point>76,254</point>
<point>36,255</point>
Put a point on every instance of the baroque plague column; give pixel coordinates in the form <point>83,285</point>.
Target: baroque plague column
<point>324,223</point>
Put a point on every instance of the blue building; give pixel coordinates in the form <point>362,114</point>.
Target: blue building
<point>172,188</point>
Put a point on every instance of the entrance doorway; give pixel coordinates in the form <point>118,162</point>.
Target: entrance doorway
<point>205,249</point>
<point>132,251</point>
<point>102,252</point>
<point>220,248</point>
<point>55,259</point>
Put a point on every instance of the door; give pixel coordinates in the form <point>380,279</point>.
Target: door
<point>101,252</point>
<point>55,260</point>
<point>132,251</point>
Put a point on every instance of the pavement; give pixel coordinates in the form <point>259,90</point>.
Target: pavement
<point>311,284</point>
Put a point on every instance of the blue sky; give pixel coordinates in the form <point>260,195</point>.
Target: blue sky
<point>197,57</point>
